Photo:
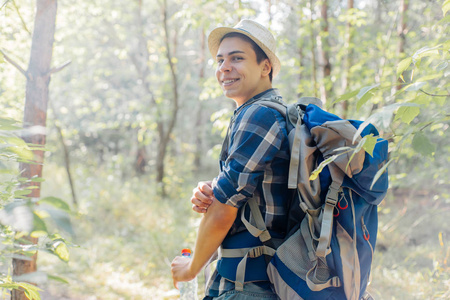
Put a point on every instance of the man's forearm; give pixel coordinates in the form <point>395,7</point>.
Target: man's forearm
<point>214,226</point>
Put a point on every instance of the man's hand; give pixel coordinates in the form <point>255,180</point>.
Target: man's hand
<point>214,226</point>
<point>202,196</point>
<point>181,270</point>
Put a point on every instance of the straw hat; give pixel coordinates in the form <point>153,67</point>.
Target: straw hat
<point>256,32</point>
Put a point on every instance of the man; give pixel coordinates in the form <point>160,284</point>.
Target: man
<point>254,164</point>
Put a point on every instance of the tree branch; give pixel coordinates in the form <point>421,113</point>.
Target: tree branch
<point>11,61</point>
<point>434,95</point>
<point>4,3</point>
<point>21,19</point>
<point>57,69</point>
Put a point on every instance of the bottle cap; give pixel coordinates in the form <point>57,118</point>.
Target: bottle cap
<point>186,252</point>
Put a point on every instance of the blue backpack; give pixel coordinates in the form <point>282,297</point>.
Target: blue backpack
<point>333,219</point>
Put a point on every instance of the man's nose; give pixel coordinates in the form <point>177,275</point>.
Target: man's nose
<point>225,66</point>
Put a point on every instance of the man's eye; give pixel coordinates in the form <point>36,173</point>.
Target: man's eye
<point>219,61</point>
<point>238,58</point>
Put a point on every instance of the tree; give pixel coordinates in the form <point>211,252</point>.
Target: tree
<point>324,49</point>
<point>401,32</point>
<point>348,57</point>
<point>313,48</point>
<point>35,112</point>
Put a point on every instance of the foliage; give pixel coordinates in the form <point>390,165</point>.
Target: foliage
<point>21,216</point>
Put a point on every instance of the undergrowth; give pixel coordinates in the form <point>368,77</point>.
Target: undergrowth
<point>128,235</point>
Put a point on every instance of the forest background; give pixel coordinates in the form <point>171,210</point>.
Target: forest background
<point>135,119</point>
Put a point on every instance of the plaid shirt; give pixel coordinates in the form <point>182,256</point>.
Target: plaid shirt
<point>254,163</point>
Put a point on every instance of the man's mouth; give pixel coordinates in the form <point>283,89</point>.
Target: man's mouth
<point>229,81</point>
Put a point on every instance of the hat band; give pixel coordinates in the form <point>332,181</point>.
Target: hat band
<point>243,30</point>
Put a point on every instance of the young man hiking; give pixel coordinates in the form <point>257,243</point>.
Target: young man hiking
<point>254,164</point>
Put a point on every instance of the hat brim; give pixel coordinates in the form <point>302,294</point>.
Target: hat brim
<point>218,33</point>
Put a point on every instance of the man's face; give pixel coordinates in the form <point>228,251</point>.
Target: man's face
<point>238,72</point>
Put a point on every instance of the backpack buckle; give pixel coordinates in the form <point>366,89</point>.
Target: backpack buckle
<point>333,194</point>
<point>255,252</point>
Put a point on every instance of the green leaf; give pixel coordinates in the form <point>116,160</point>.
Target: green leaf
<point>363,100</point>
<point>424,52</point>
<point>429,77</point>
<point>422,144</point>
<point>381,118</point>
<point>414,86</point>
<point>9,127</point>
<point>6,121</point>
<point>370,143</point>
<point>445,7</point>
<point>23,152</point>
<point>322,165</point>
<point>380,172</point>
<point>57,278</point>
<point>360,146</point>
<point>38,224</point>
<point>364,95</point>
<point>443,65</point>
<point>439,100</point>
<point>9,286</point>
<point>403,65</point>
<point>37,277</point>
<point>19,193</point>
<point>55,202</point>
<point>61,251</point>
<point>37,179</point>
<point>407,113</point>
<point>365,89</point>
<point>346,96</point>
<point>59,216</point>
<point>31,291</point>
<point>342,149</point>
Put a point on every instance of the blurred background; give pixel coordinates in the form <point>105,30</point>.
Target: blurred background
<point>135,119</point>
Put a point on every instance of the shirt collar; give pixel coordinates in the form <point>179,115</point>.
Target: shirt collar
<point>266,94</point>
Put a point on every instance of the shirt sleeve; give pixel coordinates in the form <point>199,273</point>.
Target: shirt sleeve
<point>256,138</point>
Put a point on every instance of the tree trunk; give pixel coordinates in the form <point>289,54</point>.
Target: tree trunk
<point>269,12</point>
<point>199,123</point>
<point>165,134</point>
<point>238,7</point>
<point>348,61</point>
<point>401,32</point>
<point>324,48</point>
<point>66,161</point>
<point>140,60</point>
<point>35,112</point>
<point>300,64</point>
<point>140,163</point>
<point>313,49</point>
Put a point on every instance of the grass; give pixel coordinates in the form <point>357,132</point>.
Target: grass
<point>412,254</point>
<point>128,235</point>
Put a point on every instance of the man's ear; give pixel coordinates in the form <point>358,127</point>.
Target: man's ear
<point>267,68</point>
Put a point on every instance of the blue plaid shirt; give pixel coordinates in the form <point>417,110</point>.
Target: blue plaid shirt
<point>254,163</point>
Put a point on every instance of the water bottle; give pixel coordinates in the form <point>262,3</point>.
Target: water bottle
<point>188,290</point>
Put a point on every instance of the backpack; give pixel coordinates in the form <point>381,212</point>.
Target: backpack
<point>332,221</point>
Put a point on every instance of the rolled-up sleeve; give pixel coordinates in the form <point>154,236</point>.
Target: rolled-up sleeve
<point>256,138</point>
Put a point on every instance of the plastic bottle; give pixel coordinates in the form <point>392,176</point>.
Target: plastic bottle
<point>188,290</point>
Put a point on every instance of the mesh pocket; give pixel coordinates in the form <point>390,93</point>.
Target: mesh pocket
<point>294,254</point>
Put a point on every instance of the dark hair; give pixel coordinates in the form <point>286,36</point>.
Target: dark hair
<point>260,54</point>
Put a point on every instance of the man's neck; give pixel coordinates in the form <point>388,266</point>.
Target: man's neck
<point>257,94</point>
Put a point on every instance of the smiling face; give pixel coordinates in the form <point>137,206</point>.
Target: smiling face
<point>238,72</point>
